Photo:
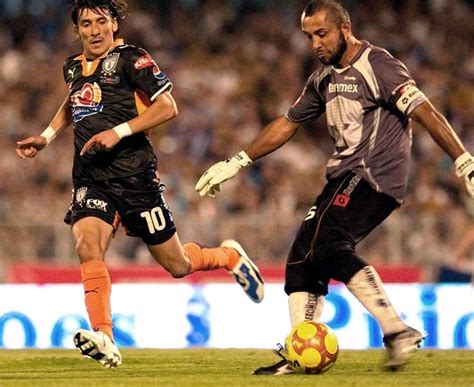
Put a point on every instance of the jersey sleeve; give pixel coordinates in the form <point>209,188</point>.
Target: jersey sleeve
<point>397,87</point>
<point>309,104</point>
<point>146,75</point>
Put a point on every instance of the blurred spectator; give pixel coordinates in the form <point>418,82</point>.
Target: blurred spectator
<point>226,59</point>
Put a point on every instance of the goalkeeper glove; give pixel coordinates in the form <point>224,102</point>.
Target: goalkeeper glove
<point>210,181</point>
<point>465,168</point>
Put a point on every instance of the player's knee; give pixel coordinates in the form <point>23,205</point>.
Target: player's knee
<point>88,251</point>
<point>346,265</point>
<point>340,259</point>
<point>178,269</point>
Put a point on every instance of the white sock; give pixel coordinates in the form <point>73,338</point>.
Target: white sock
<point>367,287</point>
<point>305,306</point>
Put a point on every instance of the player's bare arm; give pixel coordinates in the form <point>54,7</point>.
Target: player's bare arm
<point>160,111</point>
<point>272,137</point>
<point>444,135</point>
<point>439,128</point>
<point>30,146</point>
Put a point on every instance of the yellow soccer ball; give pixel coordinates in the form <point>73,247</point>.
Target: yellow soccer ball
<point>311,347</point>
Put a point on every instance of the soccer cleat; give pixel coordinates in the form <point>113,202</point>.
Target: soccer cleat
<point>97,346</point>
<point>283,367</point>
<point>246,273</point>
<point>400,347</point>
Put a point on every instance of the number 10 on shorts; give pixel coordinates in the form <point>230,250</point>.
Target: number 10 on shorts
<point>154,219</point>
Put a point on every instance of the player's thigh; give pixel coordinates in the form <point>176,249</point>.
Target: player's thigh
<point>93,217</point>
<point>301,274</point>
<point>92,237</point>
<point>353,210</point>
<point>144,211</point>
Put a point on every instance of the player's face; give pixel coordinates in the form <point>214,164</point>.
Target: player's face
<point>96,31</point>
<point>326,38</point>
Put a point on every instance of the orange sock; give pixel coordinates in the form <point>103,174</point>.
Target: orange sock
<point>210,258</point>
<point>97,287</point>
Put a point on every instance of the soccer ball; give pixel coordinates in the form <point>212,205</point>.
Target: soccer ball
<point>311,347</point>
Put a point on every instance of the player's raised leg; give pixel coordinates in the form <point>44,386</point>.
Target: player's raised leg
<point>181,260</point>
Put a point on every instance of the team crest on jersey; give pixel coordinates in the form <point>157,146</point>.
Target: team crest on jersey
<point>87,101</point>
<point>109,63</point>
<point>81,194</point>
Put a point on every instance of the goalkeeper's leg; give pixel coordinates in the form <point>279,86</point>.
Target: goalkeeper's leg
<point>303,306</point>
<point>342,224</point>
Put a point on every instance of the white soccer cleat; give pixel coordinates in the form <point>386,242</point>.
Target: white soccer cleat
<point>401,346</point>
<point>246,273</point>
<point>98,346</point>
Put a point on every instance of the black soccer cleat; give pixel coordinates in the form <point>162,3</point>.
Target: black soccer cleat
<point>401,346</point>
<point>283,367</point>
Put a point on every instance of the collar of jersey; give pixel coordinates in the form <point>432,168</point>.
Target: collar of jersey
<point>356,57</point>
<point>96,61</point>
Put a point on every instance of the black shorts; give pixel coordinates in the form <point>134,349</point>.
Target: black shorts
<point>136,201</point>
<point>346,211</point>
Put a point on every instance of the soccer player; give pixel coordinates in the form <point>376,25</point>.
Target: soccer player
<point>117,93</point>
<point>369,99</point>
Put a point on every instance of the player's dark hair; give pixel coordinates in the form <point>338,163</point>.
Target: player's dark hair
<point>115,8</point>
<point>333,8</point>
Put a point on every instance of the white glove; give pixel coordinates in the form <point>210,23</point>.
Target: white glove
<point>465,167</point>
<point>210,181</point>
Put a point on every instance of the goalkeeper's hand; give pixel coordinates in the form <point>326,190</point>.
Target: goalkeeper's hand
<point>210,181</point>
<point>465,168</point>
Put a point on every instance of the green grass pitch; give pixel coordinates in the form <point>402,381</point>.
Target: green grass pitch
<point>227,367</point>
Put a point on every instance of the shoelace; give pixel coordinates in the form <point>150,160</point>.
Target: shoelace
<point>280,351</point>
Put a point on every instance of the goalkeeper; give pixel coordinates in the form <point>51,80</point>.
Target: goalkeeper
<point>369,98</point>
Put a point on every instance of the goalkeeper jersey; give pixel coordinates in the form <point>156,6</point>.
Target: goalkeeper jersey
<point>104,93</point>
<point>367,105</point>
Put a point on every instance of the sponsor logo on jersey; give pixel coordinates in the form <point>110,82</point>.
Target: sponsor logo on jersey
<point>342,199</point>
<point>86,102</point>
<point>160,75</point>
<point>144,61</point>
<point>109,80</point>
<point>109,63</point>
<point>352,184</point>
<point>97,204</point>
<point>343,88</point>
<point>408,93</point>
<point>71,72</point>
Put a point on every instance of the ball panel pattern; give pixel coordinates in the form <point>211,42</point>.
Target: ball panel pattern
<point>311,347</point>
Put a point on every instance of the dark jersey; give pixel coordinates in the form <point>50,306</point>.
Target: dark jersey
<point>367,105</point>
<point>104,93</point>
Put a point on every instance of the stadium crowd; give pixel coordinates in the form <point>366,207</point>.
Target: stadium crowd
<point>235,65</point>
